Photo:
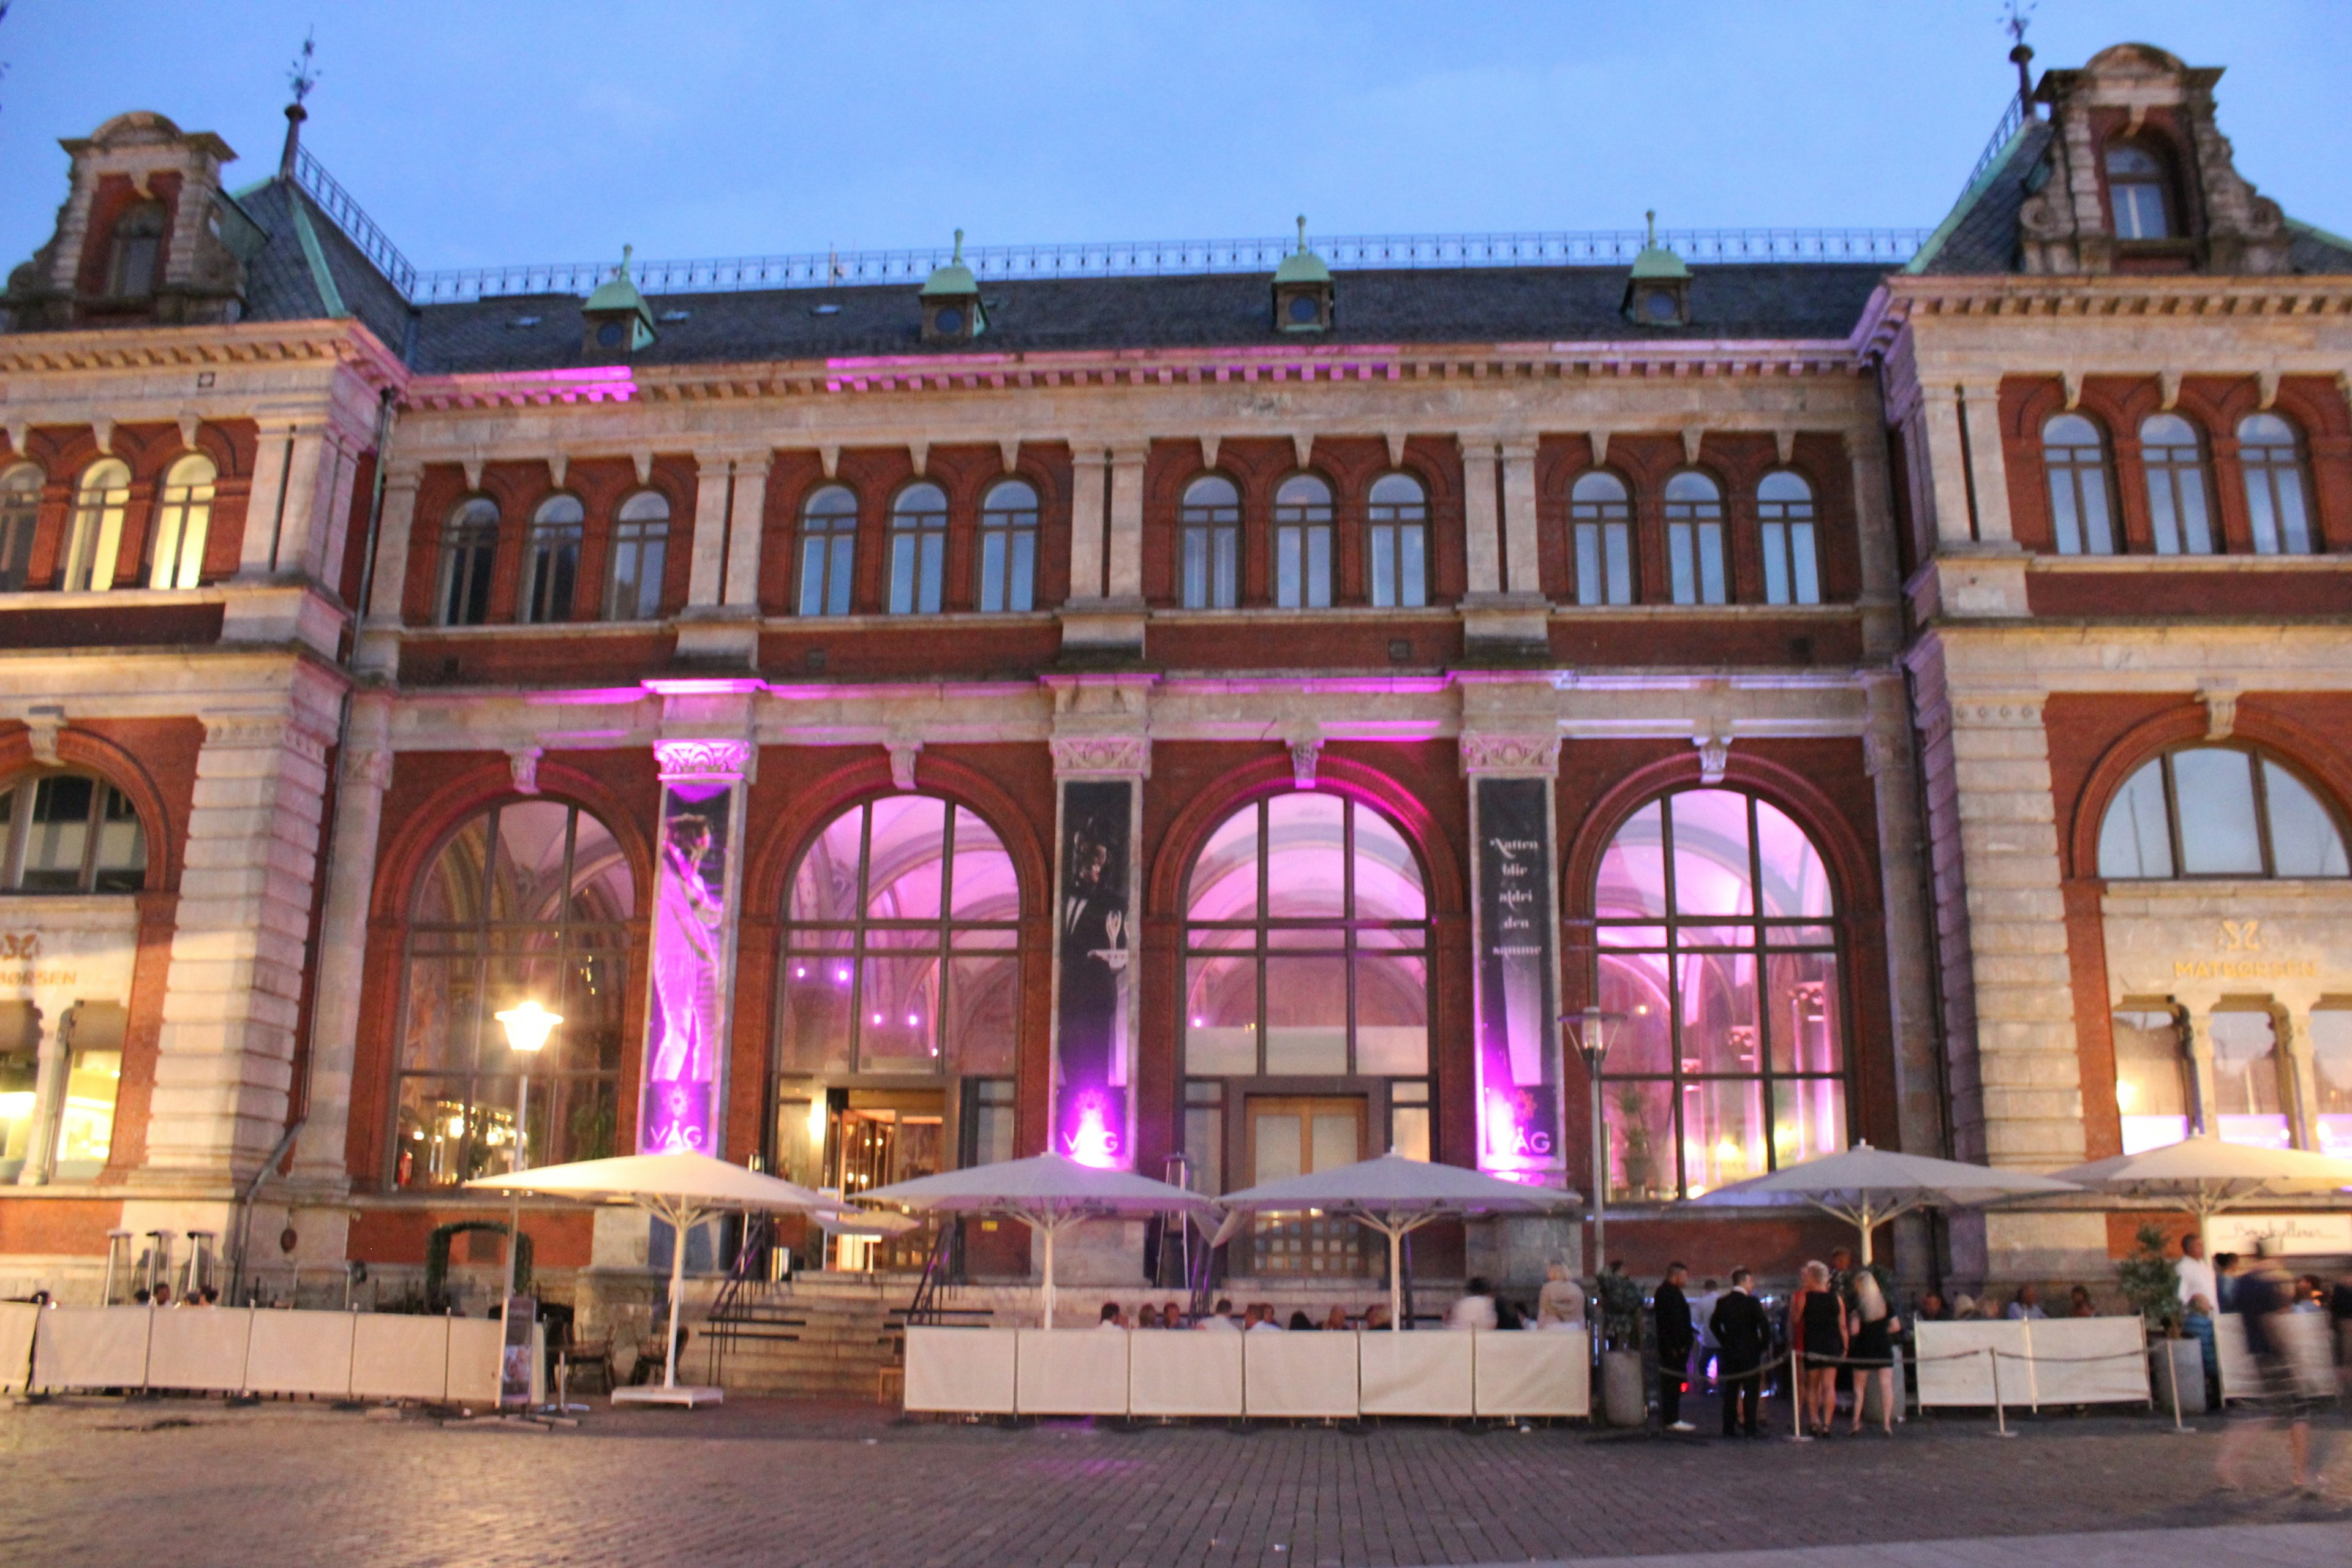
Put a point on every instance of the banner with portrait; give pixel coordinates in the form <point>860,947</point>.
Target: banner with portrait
<point>1094,941</point>
<point>693,951</point>
<point>1519,1115</point>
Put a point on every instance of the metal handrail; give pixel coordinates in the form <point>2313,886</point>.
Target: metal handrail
<point>2012,121</point>
<point>341,206</point>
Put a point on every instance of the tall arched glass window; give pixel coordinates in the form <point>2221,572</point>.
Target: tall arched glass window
<point>1008,546</point>
<point>1695,539</point>
<point>1601,518</point>
<point>2276,507</point>
<point>1396,542</point>
<point>94,538</point>
<point>20,515</point>
<point>828,551</point>
<point>551,562</point>
<point>919,549</point>
<point>633,586</point>
<point>2074,456</point>
<point>2175,466</point>
<point>2152,1076</point>
<point>1302,543</point>
<point>529,900</point>
<point>1208,543</point>
<point>469,550</point>
<point>135,249</point>
<point>2219,811</point>
<point>184,515</point>
<point>1785,525</point>
<point>2136,199</point>
<point>69,833</point>
<point>1718,941</point>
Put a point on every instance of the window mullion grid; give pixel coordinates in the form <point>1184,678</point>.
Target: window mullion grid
<point>1348,920</point>
<point>943,937</point>
<point>2262,786</point>
<point>2172,819</point>
<point>857,942</point>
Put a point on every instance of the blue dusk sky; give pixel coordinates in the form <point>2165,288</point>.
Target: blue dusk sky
<point>480,133</point>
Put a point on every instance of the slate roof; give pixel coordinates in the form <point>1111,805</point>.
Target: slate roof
<point>279,285</point>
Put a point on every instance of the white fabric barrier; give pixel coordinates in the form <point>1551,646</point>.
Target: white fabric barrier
<point>2239,1378</point>
<point>2085,1360</point>
<point>1184,1372</point>
<point>1070,1371</point>
<point>200,1349</point>
<point>1953,1371</point>
<point>91,1347</point>
<point>18,1320</point>
<point>966,1370</point>
<point>396,1355</point>
<point>1544,1373</point>
<point>1418,1373</point>
<point>300,1353</point>
<point>1303,1375</point>
<point>2304,1336</point>
<point>477,1347</point>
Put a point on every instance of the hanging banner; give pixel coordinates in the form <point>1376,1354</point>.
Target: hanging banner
<point>1518,1028</point>
<point>693,947</point>
<point>1094,1000</point>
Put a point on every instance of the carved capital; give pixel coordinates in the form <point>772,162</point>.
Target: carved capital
<point>903,751</point>
<point>725,761</point>
<point>370,768</point>
<point>1714,755</point>
<point>239,732</point>
<point>2221,701</point>
<point>1486,751</point>
<point>1117,757</point>
<point>41,727</point>
<point>522,761</point>
<point>1306,753</point>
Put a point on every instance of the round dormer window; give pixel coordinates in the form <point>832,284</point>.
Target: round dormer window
<point>1659,305</point>
<point>609,335</point>
<point>1303,308</point>
<point>948,321</point>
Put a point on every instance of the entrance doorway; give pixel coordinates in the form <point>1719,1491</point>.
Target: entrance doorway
<point>878,1136</point>
<point>1292,1136</point>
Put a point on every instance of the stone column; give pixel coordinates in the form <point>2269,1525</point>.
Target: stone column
<point>1088,476</point>
<point>1947,469</point>
<point>2197,1039</point>
<point>1126,543</point>
<point>224,1063</point>
<point>388,583</point>
<point>49,1102</point>
<point>2299,1075</point>
<point>1522,568</point>
<point>301,493</point>
<point>365,771</point>
<point>746,533</point>
<point>713,479</point>
<point>1481,525</point>
<point>1988,466</point>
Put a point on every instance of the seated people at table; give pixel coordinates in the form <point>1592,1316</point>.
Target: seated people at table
<point>1260,1319</point>
<point>1932,1309</point>
<point>2079,1304</point>
<point>1300,1323</point>
<point>1560,1303</point>
<point>1147,1315</point>
<point>1172,1316</point>
<point>1335,1320</point>
<point>1112,1318</point>
<point>1221,1320</point>
<point>1743,1337</point>
<point>1475,1309</point>
<point>1376,1316</point>
<point>2025,1306</point>
<point>209,1296</point>
<point>164,1296</point>
<point>1964,1308</point>
<point>1508,1314</point>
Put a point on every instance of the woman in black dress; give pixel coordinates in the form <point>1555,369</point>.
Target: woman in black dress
<point>1873,1341</point>
<point>1820,1333</point>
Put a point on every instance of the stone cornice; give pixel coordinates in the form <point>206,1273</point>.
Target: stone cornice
<point>202,348</point>
<point>2190,297</point>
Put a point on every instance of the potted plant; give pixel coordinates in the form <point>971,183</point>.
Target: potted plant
<point>1624,1395</point>
<point>1636,1157</point>
<point>2151,1284</point>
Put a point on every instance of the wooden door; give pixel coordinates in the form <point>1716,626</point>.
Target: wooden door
<point>1292,1136</point>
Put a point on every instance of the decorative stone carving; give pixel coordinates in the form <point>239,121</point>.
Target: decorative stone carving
<point>1125,756</point>
<point>369,767</point>
<point>248,733</point>
<point>522,761</point>
<point>2009,713</point>
<point>1306,751</point>
<point>1486,751</point>
<point>1714,755</point>
<point>726,760</point>
<point>2221,701</point>
<point>1598,438</point>
<point>1209,451</point>
<point>1396,440</point>
<point>903,752</point>
<point>41,727</point>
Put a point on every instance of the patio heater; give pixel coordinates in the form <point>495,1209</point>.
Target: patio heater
<point>1590,1032</point>
<point>527,1025</point>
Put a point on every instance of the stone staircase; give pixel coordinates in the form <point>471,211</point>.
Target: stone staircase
<point>818,1336</point>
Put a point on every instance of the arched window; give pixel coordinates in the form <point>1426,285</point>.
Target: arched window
<point>1397,540</point>
<point>69,833</point>
<point>1600,515</point>
<point>95,536</point>
<point>2075,459</point>
<point>828,551</point>
<point>2275,487</point>
<point>1784,523</point>
<point>183,517</point>
<point>552,560</point>
<point>469,549</point>
<point>919,549</point>
<point>2249,1095</point>
<point>529,900</point>
<point>2175,466</point>
<point>1008,546</point>
<point>132,254</point>
<point>1695,539</point>
<point>20,515</point>
<point>1209,532</point>
<point>1717,941</point>
<point>2152,1076</point>
<point>633,587</point>
<point>2218,811</point>
<point>1302,543</point>
<point>2137,201</point>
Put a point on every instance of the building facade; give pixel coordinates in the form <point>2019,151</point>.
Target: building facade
<point>1188,715</point>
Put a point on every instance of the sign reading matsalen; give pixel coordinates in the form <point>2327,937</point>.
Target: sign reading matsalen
<point>1518,1036</point>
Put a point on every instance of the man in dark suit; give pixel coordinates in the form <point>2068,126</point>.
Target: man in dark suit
<point>1675,1337</point>
<point>1743,1337</point>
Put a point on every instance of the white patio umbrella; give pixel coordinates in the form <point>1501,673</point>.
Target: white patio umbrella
<point>1050,1192</point>
<point>683,1190</point>
<point>1867,1187</point>
<point>2205,1175</point>
<point>1395,1196</point>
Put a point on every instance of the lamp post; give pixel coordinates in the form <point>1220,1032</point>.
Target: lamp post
<point>1589,1031</point>
<point>527,1025</point>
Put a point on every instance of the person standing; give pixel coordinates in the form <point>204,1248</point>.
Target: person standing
<point>2264,1301</point>
<point>2195,1274</point>
<point>1743,1337</point>
<point>1817,1325</point>
<point>1871,1343</point>
<point>1672,1311</point>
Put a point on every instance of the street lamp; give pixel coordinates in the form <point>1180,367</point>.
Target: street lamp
<point>527,1025</point>
<point>1589,1032</point>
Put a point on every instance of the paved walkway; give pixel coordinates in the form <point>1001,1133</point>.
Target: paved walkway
<point>103,1481</point>
<point>2228,1546</point>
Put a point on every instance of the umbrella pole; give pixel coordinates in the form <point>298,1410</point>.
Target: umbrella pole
<point>1051,1230</point>
<point>1864,1223</point>
<point>1396,1280</point>
<point>677,1291</point>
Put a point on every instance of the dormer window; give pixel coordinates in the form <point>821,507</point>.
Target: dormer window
<point>1303,293</point>
<point>137,246</point>
<point>2137,202</point>
<point>952,311</point>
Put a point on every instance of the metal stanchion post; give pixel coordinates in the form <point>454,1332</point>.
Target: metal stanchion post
<point>2000,1414</point>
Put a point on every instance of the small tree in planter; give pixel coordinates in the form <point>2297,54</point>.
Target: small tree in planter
<point>1625,1391</point>
<point>1619,1310</point>
<point>2151,1283</point>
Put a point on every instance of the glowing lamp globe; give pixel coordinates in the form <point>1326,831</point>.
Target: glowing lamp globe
<point>527,1025</point>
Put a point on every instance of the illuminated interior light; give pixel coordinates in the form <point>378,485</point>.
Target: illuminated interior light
<point>1091,1144</point>
<point>15,1105</point>
<point>800,971</point>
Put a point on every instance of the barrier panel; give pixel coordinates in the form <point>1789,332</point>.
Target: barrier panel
<point>300,1353</point>
<point>2085,1360</point>
<point>966,1370</point>
<point>1953,1371</point>
<point>1183,1373</point>
<point>91,1347</point>
<point>1417,1374</point>
<point>18,1320</point>
<point>2302,1336</point>
<point>396,1355</point>
<point>1298,1375</point>
<point>1070,1371</point>
<point>1545,1374</point>
<point>199,1349</point>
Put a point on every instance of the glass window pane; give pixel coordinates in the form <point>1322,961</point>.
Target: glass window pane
<point>602,887</point>
<point>1388,875</point>
<point>2246,1079</point>
<point>1719,1014</point>
<point>1711,872</point>
<point>526,879</point>
<point>574,1118</point>
<point>1305,858</point>
<point>1220,1017</point>
<point>2151,1079</point>
<point>1633,881</point>
<point>826,886</point>
<point>56,840</point>
<point>906,859</point>
<point>897,1000</point>
<point>593,1017</point>
<point>985,887</point>
<point>1808,1119</point>
<point>1638,1119</point>
<point>814,1032</point>
<point>120,865</point>
<point>430,1142</point>
<point>1722,1133</point>
<point>2304,841</point>
<point>1801,1015</point>
<point>444,1020</point>
<point>2215,788</point>
<point>2134,840</point>
<point>984,1021</point>
<point>2331,1058</point>
<point>1796,882</point>
<point>1307,1016</point>
<point>1224,877</point>
<point>1635,985</point>
<point>1392,1016</point>
<point>1408,1131</point>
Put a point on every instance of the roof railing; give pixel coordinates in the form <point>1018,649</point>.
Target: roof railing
<point>351,218</point>
<point>2012,120</point>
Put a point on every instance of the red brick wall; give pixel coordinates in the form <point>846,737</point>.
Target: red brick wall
<point>69,1227</point>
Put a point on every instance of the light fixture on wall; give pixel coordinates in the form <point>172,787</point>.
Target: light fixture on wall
<point>528,1026</point>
